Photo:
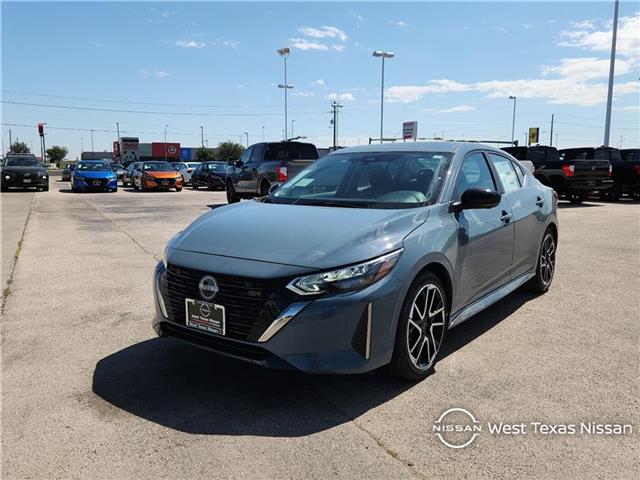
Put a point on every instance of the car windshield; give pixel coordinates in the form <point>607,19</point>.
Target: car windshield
<point>216,167</point>
<point>368,180</point>
<point>192,164</point>
<point>158,167</point>
<point>116,166</point>
<point>101,167</point>
<point>21,162</point>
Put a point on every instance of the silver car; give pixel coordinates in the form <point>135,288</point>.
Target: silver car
<point>185,169</point>
<point>364,259</point>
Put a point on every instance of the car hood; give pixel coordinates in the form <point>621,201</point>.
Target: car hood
<point>24,169</point>
<point>306,236</point>
<point>162,174</point>
<point>95,173</point>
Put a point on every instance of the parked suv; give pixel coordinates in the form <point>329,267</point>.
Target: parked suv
<point>23,170</point>
<point>264,164</point>
<point>573,173</point>
<point>626,173</point>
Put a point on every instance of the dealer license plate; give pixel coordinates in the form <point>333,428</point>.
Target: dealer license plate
<point>205,316</point>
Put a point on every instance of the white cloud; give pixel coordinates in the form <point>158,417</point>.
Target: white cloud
<point>340,97</point>
<point>97,44</point>
<point>319,83</point>
<point>458,109</point>
<point>304,44</point>
<point>157,73</point>
<point>190,44</point>
<point>527,26</point>
<point>324,32</point>
<point>302,93</point>
<point>628,108</point>
<point>413,93</point>
<point>239,85</point>
<point>338,47</point>
<point>225,43</point>
<point>587,68</point>
<point>399,23</point>
<point>589,36</point>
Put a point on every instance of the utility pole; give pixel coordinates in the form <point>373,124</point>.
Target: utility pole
<point>263,133</point>
<point>202,135</point>
<point>166,153</point>
<point>334,121</point>
<point>551,135</point>
<point>612,65</point>
<point>92,149</point>
<point>513,121</point>
<point>292,128</point>
<point>118,130</point>
<point>10,142</point>
<point>247,134</point>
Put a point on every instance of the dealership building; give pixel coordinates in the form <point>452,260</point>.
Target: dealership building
<point>129,149</point>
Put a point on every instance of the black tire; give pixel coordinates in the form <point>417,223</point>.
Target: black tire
<point>210,186</point>
<point>545,265</point>
<point>4,189</point>
<point>232,195</point>
<point>406,360</point>
<point>45,189</point>
<point>264,188</point>
<point>576,197</point>
<point>178,189</point>
<point>193,185</point>
<point>135,187</point>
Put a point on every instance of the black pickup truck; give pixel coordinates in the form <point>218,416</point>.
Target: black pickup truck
<point>626,173</point>
<point>264,164</point>
<point>573,173</point>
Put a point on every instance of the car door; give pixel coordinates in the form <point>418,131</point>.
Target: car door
<point>526,202</point>
<point>246,170</point>
<point>196,175</point>
<point>485,236</point>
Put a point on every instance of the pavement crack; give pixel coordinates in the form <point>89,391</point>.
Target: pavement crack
<point>388,450</point>
<point>114,224</point>
<point>7,288</point>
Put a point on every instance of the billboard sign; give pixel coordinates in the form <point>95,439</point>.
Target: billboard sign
<point>410,130</point>
<point>170,150</point>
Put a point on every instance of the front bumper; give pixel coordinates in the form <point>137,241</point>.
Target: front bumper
<point>346,333</point>
<point>89,183</point>
<point>162,184</point>
<point>19,181</point>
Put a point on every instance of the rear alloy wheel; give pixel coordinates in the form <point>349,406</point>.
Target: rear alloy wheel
<point>232,196</point>
<point>546,266</point>
<point>421,329</point>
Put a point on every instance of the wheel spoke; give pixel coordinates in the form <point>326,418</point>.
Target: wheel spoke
<point>424,335</point>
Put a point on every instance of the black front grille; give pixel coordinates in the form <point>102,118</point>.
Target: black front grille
<point>165,182</point>
<point>251,304</point>
<point>97,182</point>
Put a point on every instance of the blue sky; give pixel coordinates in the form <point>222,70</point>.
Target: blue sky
<point>215,64</point>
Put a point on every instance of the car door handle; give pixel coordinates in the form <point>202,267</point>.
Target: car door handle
<point>506,217</point>
<point>540,202</point>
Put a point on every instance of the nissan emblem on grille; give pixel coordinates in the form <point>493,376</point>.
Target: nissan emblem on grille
<point>208,287</point>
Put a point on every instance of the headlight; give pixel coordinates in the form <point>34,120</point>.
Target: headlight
<point>165,255</point>
<point>7,177</point>
<point>347,279</point>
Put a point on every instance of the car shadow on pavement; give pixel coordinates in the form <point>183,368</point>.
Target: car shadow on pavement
<point>195,391</point>
<point>562,205</point>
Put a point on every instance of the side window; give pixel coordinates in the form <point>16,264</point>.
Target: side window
<point>474,173</point>
<point>255,154</point>
<point>506,172</point>
<point>246,155</point>
<point>519,172</point>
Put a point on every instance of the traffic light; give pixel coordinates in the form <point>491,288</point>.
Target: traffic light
<point>41,129</point>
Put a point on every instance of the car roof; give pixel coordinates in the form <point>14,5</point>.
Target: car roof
<point>450,147</point>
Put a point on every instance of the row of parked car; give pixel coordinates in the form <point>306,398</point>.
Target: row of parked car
<point>576,173</point>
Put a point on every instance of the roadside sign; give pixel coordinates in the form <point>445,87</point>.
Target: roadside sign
<point>534,135</point>
<point>410,130</point>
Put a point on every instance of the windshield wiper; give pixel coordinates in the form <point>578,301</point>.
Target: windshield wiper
<point>336,203</point>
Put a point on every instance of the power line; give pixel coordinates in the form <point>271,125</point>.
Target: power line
<point>148,112</point>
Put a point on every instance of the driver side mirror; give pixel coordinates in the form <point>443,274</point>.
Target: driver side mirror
<point>273,188</point>
<point>474,198</point>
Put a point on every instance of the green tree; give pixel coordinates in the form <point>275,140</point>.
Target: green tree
<point>19,147</point>
<point>205,154</point>
<point>57,153</point>
<point>229,151</point>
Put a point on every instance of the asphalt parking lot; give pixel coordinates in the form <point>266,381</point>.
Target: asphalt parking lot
<point>88,391</point>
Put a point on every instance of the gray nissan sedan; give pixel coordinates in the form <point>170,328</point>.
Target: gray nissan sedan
<point>364,259</point>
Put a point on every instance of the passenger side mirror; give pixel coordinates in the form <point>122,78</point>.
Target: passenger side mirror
<point>473,198</point>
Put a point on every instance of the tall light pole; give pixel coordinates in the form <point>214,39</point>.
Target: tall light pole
<point>165,143</point>
<point>247,135</point>
<point>202,135</point>
<point>284,53</point>
<point>92,149</point>
<point>263,133</point>
<point>513,121</point>
<point>118,129</point>
<point>292,128</point>
<point>383,55</point>
<point>612,65</point>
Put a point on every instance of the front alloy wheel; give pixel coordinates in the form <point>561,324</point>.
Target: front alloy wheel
<point>422,329</point>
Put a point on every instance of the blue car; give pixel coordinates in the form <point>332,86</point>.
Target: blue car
<point>92,175</point>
